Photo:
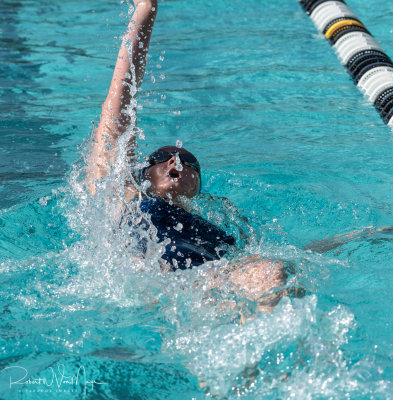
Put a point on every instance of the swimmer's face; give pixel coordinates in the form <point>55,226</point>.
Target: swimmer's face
<point>168,182</point>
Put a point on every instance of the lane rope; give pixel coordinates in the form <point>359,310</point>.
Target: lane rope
<point>369,66</point>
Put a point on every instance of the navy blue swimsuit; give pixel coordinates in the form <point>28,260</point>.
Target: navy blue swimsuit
<point>193,240</point>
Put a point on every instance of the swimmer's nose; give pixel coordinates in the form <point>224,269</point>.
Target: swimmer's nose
<point>172,160</point>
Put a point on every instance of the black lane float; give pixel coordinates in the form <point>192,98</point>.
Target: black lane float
<point>366,62</point>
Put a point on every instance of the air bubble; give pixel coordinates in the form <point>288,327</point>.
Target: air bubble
<point>141,134</point>
<point>44,200</point>
<point>179,144</point>
<point>178,227</point>
<point>145,185</point>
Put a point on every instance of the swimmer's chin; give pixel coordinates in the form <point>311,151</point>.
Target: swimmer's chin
<point>173,189</point>
<point>171,196</point>
<point>181,201</point>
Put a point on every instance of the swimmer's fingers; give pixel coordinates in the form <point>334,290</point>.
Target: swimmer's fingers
<point>145,4</point>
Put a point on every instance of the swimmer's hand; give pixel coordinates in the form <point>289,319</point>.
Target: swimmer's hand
<point>144,6</point>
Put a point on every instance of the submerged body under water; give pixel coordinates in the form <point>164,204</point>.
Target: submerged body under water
<point>298,153</point>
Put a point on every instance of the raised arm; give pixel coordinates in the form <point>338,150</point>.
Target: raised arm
<point>127,77</point>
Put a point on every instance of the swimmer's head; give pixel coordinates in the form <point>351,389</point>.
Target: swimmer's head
<point>174,171</point>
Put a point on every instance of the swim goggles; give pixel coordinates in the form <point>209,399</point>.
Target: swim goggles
<point>161,156</point>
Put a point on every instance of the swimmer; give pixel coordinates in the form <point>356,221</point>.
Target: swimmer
<point>173,174</point>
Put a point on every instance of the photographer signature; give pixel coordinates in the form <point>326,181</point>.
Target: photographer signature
<point>57,379</point>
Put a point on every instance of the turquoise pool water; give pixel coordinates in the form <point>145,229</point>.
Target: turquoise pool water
<point>280,130</point>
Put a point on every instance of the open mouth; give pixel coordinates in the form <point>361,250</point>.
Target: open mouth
<point>174,173</point>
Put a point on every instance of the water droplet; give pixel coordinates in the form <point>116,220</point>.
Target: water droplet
<point>145,185</point>
<point>141,134</point>
<point>178,227</point>
<point>178,165</point>
<point>153,79</point>
<point>44,200</point>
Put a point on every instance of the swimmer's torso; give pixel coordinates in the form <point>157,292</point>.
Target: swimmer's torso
<point>192,240</point>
